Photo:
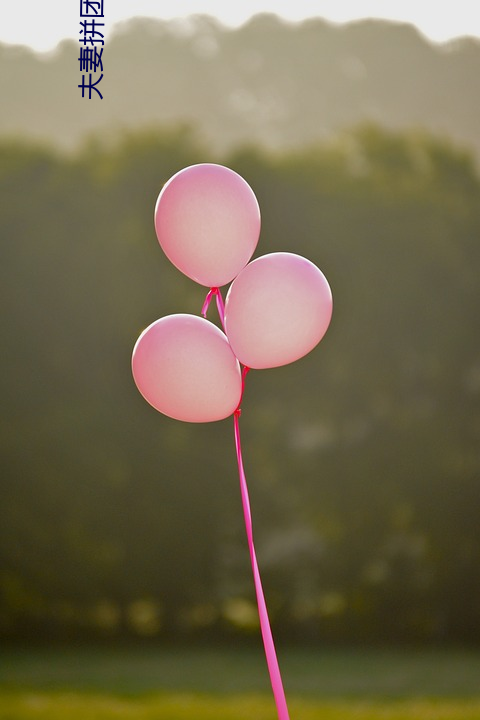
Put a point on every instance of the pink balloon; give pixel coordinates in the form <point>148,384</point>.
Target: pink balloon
<point>277,309</point>
<point>183,366</point>
<point>207,221</point>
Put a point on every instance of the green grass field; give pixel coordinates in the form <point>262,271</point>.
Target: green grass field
<point>232,684</point>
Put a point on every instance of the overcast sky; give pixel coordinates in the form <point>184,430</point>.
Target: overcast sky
<point>43,23</point>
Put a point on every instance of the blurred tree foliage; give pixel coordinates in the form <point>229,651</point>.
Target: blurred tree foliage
<point>363,458</point>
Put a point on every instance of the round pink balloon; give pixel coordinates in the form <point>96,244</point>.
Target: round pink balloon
<point>183,366</point>
<point>207,221</point>
<point>277,309</point>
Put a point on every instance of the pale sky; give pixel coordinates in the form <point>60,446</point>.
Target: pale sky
<point>41,24</point>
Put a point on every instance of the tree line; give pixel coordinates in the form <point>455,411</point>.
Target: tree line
<point>362,458</point>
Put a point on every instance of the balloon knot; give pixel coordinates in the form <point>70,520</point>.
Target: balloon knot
<point>238,412</point>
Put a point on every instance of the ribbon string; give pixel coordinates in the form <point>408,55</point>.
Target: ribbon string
<point>267,637</point>
<point>268,643</point>
<point>220,306</point>
<point>208,299</point>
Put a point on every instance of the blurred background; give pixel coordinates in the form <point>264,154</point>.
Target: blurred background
<point>361,141</point>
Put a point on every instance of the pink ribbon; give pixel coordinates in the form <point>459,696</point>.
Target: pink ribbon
<point>220,306</point>
<point>272,662</point>
<point>268,644</point>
